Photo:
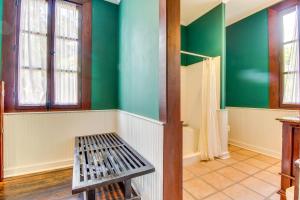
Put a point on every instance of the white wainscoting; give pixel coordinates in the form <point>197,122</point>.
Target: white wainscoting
<point>257,129</point>
<point>146,136</point>
<point>36,142</point>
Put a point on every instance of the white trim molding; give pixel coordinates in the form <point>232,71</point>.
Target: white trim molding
<point>258,149</point>
<point>141,117</point>
<point>36,168</point>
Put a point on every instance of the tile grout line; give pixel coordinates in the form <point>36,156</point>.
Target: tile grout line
<point>253,175</point>
<point>238,182</point>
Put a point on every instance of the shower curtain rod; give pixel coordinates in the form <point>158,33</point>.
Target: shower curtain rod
<point>194,54</point>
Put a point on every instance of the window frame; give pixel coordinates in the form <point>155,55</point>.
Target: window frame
<point>10,58</point>
<point>276,53</point>
<point>52,57</point>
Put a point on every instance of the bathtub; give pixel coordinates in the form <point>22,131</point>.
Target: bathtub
<point>190,140</point>
<point>190,154</point>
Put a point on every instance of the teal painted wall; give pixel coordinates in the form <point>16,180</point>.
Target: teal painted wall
<point>206,36</point>
<point>139,57</point>
<point>183,30</point>
<point>105,18</point>
<point>248,62</point>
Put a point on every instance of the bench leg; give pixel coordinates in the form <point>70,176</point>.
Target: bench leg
<point>91,195</point>
<point>128,191</point>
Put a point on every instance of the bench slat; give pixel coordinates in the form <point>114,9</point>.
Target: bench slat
<point>104,159</point>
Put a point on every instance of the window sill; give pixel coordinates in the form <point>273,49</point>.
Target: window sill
<point>56,112</point>
<point>289,107</point>
<point>39,109</point>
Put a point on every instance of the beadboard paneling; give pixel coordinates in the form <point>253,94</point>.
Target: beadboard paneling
<point>36,142</point>
<point>146,136</point>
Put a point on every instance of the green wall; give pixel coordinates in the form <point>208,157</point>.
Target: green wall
<point>139,57</point>
<point>183,30</point>
<point>206,36</point>
<point>248,62</point>
<point>104,55</point>
<point>125,57</point>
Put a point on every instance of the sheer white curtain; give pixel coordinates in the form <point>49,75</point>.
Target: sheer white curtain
<point>32,63</point>
<point>290,68</point>
<point>209,145</point>
<point>66,63</point>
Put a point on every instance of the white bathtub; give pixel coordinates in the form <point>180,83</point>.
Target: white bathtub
<point>190,140</point>
<point>189,145</point>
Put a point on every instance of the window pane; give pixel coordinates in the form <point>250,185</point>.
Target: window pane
<point>291,57</point>
<point>290,69</point>
<point>66,61</point>
<point>290,26</point>
<point>291,94</point>
<point>32,61</point>
<point>33,87</point>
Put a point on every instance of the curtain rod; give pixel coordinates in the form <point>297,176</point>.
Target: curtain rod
<point>194,54</point>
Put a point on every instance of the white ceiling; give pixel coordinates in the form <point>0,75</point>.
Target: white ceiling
<point>192,9</point>
<point>239,9</point>
<point>235,9</point>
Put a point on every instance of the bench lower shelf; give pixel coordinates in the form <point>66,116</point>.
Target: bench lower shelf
<point>111,192</point>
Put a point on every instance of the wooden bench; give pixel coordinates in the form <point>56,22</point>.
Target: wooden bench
<point>105,164</point>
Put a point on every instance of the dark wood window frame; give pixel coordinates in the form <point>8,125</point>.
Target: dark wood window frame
<point>10,57</point>
<point>275,54</point>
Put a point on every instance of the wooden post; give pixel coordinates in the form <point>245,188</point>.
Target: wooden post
<point>169,75</point>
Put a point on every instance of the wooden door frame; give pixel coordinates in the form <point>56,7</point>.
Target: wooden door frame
<point>169,74</point>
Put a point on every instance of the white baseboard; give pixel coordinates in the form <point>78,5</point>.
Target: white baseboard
<point>257,149</point>
<point>30,169</point>
<point>195,157</point>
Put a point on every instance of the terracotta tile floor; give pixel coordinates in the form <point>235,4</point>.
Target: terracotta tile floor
<point>246,175</point>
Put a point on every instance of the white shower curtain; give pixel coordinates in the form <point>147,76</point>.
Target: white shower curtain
<point>209,144</point>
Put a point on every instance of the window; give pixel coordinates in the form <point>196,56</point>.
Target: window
<point>290,85</point>
<point>32,57</point>
<point>284,55</point>
<point>64,48</point>
<point>66,57</point>
<point>52,55</point>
